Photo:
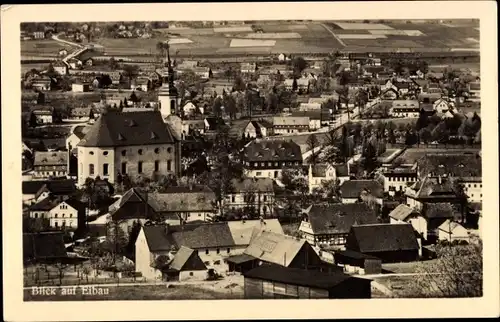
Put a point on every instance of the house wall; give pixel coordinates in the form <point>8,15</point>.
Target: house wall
<point>39,214</point>
<point>167,153</point>
<point>459,233</point>
<point>290,130</point>
<point>473,189</point>
<point>397,183</point>
<point>237,201</point>
<point>144,258</point>
<point>261,289</point>
<point>306,257</point>
<point>197,215</point>
<point>263,173</point>
<point>419,224</point>
<point>215,257</point>
<point>72,140</point>
<point>314,124</point>
<point>396,256</point>
<point>44,119</point>
<point>306,232</point>
<point>250,131</point>
<point>63,215</point>
<point>199,275</point>
<point>46,171</point>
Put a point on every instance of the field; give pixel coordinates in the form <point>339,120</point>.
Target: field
<point>43,48</point>
<point>413,154</point>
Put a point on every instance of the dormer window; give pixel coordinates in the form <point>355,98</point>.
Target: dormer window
<point>121,137</point>
<point>132,123</point>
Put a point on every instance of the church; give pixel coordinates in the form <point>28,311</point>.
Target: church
<point>139,143</point>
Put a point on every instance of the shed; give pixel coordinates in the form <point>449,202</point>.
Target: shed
<point>370,264</point>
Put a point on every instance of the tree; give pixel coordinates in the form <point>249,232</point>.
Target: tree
<point>133,98</point>
<point>113,64</point>
<point>457,272</point>
<point>294,85</point>
<point>33,122</point>
<point>40,100</point>
<point>217,107</point>
<point>134,232</point>
<point>299,64</point>
<point>125,102</point>
<point>131,72</point>
<point>422,121</point>
<point>425,135</point>
<point>239,84</point>
<point>312,145</point>
<point>230,106</point>
<point>369,157</point>
<point>117,237</point>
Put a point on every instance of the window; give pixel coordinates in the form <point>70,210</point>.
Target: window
<point>139,151</point>
<point>105,169</point>
<point>172,106</point>
<point>124,152</point>
<point>218,251</point>
<point>474,185</point>
<point>157,150</point>
<point>190,273</point>
<point>157,165</point>
<point>124,167</point>
<point>233,198</point>
<point>258,173</point>
<point>91,169</point>
<point>169,150</point>
<point>169,165</point>
<point>228,250</point>
<point>105,153</point>
<point>91,152</point>
<point>70,224</point>
<point>36,215</point>
<point>207,251</point>
<point>70,215</point>
<point>265,198</point>
<point>139,166</point>
<point>56,224</point>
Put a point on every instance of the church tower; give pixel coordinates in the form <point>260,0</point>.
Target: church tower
<point>167,96</point>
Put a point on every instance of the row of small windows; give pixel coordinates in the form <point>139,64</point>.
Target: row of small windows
<point>55,215</point>
<point>270,164</point>
<point>140,151</point>
<point>105,167</point>
<point>207,251</point>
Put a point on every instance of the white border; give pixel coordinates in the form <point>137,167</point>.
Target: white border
<point>16,309</point>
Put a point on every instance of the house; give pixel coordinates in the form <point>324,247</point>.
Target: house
<point>29,190</point>
<point>405,108</point>
<point>187,64</point>
<point>80,87</point>
<point>282,57</point>
<point>86,58</point>
<point>59,189</point>
<point>186,265</point>
<point>142,84</point>
<point>60,67</point>
<point>403,87</point>
<point>251,193</point>
<point>190,109</point>
<point>474,90</point>
<point>50,164</point>
<point>74,63</point>
<point>213,242</point>
<point>329,225</point>
<point>452,231</point>
<point>43,83</point>
<point>357,263</point>
<point>190,127</point>
<point>266,159</point>
<point>76,135</point>
<point>212,124</point>
<point>277,282</point>
<point>248,68</point>
<point>301,83</point>
<point>44,115</point>
<point>272,248</point>
<point>40,210</point>
<point>390,243</point>
<point>132,143</point>
<point>404,214</point>
<point>83,114</point>
<point>258,129</point>
<point>67,215</point>
<point>202,72</point>
<point>436,214</point>
<point>320,173</point>
<point>43,247</point>
<point>431,190</point>
<point>351,191</point>
<point>441,106</point>
<point>389,94</point>
<point>396,179</point>
<point>422,85</point>
<point>309,106</point>
<point>39,35</point>
<point>290,124</point>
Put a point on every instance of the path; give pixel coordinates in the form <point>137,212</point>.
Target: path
<point>334,35</point>
<point>80,49</point>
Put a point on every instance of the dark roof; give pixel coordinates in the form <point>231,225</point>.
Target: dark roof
<point>354,255</point>
<point>182,257</point>
<point>431,188</point>
<point>124,129</point>
<point>273,150</point>
<point>131,205</point>
<point>238,259</point>
<point>339,218</point>
<point>157,238</point>
<point>185,201</point>
<point>214,123</point>
<point>80,131</point>
<point>342,170</point>
<point>59,187</point>
<point>44,205</point>
<point>43,246</point>
<point>204,236</point>
<point>384,237</point>
<point>75,203</point>
<point>354,188</point>
<point>32,187</point>
<point>454,164</point>
<point>297,276</point>
<point>86,56</point>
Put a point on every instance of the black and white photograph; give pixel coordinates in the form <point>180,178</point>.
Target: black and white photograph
<point>245,158</point>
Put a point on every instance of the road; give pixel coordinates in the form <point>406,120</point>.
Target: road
<point>80,49</point>
<point>333,34</point>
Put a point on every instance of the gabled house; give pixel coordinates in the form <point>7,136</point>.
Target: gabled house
<point>55,189</point>
<point>44,115</point>
<point>290,124</point>
<point>397,179</point>
<point>329,225</point>
<point>258,129</point>
<point>266,159</point>
<point>351,191</point>
<point>390,243</point>
<point>301,83</point>
<point>320,173</point>
<point>405,108</point>
<point>251,193</point>
<point>67,215</point>
<point>248,68</point>
<point>142,84</point>
<point>441,106</point>
<point>389,94</point>
<point>431,190</point>
<point>185,265</point>
<point>212,124</point>
<point>452,231</point>
<point>50,164</point>
<point>403,214</point>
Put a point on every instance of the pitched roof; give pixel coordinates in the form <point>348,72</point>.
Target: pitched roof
<point>319,170</point>
<point>430,188</point>
<point>157,238</point>
<point>43,245</point>
<point>354,188</point>
<point>451,164</point>
<point>384,237</point>
<point>450,226</point>
<point>242,231</point>
<point>184,201</point>
<point>274,248</point>
<point>32,187</point>
<point>401,212</point>
<point>115,128</point>
<point>273,150</point>
<point>51,158</point>
<point>342,170</point>
<point>181,257</point>
<point>80,131</point>
<point>405,104</point>
<point>44,205</point>
<point>339,218</point>
<point>297,276</point>
<point>57,187</point>
<point>204,236</point>
<point>438,210</point>
<point>291,121</point>
<point>131,205</point>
